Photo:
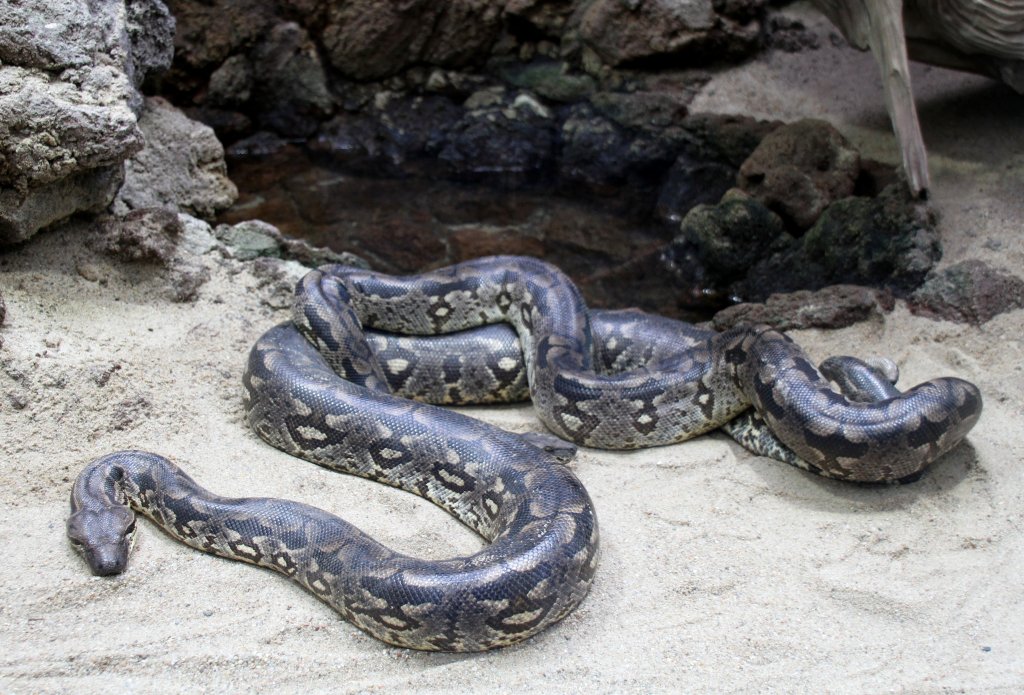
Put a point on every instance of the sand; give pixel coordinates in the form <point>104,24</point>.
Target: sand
<point>720,571</point>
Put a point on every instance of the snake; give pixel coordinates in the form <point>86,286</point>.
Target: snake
<point>354,382</point>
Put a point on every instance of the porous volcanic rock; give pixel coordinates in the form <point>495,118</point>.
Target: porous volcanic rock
<point>800,169</point>
<point>69,76</point>
<point>970,291</point>
<point>181,167</point>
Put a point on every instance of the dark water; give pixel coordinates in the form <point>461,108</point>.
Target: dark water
<point>411,224</point>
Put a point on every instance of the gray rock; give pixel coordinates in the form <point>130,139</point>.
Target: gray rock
<point>181,167</point>
<point>255,239</point>
<point>601,156</point>
<point>197,237</point>
<point>151,32</point>
<point>231,84</point>
<point>970,292</point>
<point>511,143</point>
<point>835,306</point>
<point>290,84</point>
<point>622,31</point>
<point>68,76</point>
<point>149,235</point>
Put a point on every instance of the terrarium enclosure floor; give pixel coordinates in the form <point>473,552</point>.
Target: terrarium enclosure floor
<point>720,571</point>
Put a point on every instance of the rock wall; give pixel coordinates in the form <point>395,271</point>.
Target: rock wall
<point>69,77</point>
<point>288,65</point>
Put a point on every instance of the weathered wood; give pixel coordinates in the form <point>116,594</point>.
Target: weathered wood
<point>982,36</point>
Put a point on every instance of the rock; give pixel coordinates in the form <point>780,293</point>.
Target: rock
<point>970,292</point>
<point>392,135</point>
<point>509,143</point>
<point>257,239</point>
<point>725,240</point>
<point>549,79</point>
<point>197,237</point>
<point>24,212</point>
<point>799,169</point>
<point>148,234</point>
<point>289,82</point>
<point>249,240</point>
<point>69,72</point>
<point>231,84</point>
<point>151,32</point>
<point>182,166</point>
<point>647,109</point>
<point>835,306</point>
<point>603,157</point>
<point>690,183</point>
<point>888,241</point>
<point>368,39</point>
<point>210,31</point>
<point>726,138</point>
<point>623,31</point>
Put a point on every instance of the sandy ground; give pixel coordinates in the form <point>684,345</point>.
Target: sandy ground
<point>720,571</point>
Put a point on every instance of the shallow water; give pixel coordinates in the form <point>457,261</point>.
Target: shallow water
<point>404,225</point>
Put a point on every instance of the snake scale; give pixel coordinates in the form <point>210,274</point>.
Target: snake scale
<point>325,390</point>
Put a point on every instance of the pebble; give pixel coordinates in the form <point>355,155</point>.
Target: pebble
<point>89,271</point>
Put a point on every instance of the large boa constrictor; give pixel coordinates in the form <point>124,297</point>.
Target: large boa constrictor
<point>322,389</point>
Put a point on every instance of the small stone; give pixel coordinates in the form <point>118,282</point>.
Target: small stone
<point>52,341</point>
<point>89,271</point>
<point>17,400</point>
<point>101,375</point>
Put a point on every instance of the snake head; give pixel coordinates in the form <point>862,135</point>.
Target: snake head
<point>103,537</point>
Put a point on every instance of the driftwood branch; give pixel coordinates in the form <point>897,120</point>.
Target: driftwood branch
<point>983,36</point>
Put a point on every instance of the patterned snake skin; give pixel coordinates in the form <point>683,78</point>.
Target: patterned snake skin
<point>691,380</point>
<point>659,381</point>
